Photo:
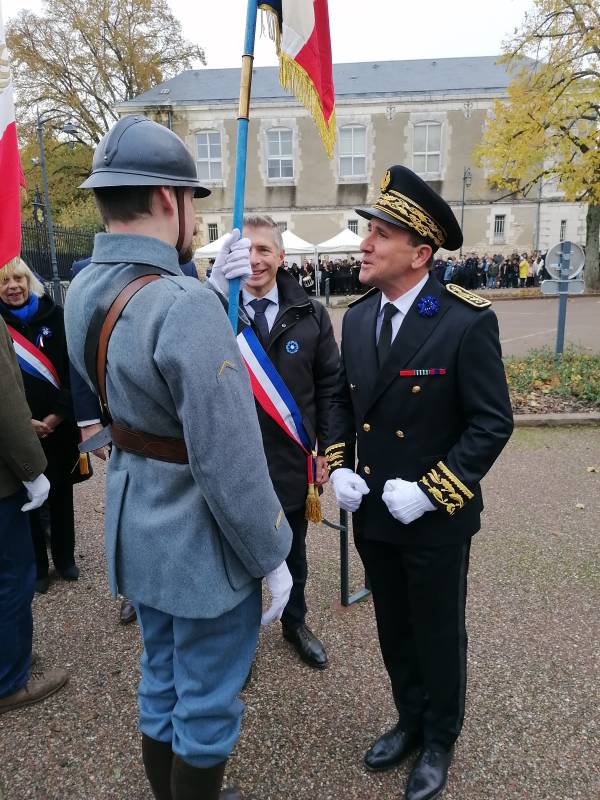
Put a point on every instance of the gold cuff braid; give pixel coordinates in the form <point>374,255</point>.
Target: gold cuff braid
<point>446,488</point>
<point>335,455</point>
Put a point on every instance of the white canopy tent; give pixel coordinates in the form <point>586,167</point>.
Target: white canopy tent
<point>343,242</point>
<point>210,250</point>
<point>295,246</point>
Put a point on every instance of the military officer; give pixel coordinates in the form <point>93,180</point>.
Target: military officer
<point>422,396</point>
<point>192,522</point>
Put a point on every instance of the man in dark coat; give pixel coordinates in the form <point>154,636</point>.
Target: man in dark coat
<point>423,394</point>
<point>297,336</point>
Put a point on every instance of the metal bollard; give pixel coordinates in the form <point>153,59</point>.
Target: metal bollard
<point>346,598</point>
<point>327,292</point>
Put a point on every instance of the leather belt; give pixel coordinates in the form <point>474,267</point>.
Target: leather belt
<point>160,448</point>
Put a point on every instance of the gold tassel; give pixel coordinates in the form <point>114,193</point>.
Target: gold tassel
<point>84,464</point>
<point>313,512</point>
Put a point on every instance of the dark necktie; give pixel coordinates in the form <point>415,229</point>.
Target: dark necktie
<point>260,320</point>
<point>384,345</point>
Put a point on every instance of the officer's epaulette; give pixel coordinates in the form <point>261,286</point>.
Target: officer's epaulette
<point>468,297</point>
<point>364,296</point>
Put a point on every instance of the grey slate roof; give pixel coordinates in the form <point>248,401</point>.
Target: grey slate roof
<point>355,80</point>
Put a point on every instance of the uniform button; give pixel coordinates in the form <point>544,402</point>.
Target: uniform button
<point>283,325</point>
<point>366,427</point>
<point>367,470</point>
<point>416,389</point>
<point>400,434</point>
<point>353,386</point>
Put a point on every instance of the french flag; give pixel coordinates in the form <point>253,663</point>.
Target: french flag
<point>11,174</point>
<point>301,32</point>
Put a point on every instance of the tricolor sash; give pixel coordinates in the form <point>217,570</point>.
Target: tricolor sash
<point>32,360</point>
<point>276,400</point>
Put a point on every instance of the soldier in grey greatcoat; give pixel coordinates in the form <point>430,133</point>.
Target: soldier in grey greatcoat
<point>188,542</point>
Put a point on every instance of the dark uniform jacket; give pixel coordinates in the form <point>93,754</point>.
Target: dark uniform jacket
<point>60,446</point>
<point>444,430</point>
<point>304,352</point>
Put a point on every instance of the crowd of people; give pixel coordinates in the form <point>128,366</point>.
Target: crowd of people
<point>474,272</point>
<point>519,270</point>
<point>229,438</point>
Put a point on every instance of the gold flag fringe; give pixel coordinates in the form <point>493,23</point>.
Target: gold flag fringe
<point>296,80</point>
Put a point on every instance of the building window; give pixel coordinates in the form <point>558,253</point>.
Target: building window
<point>563,230</point>
<point>353,225</point>
<point>213,232</point>
<point>282,227</point>
<point>499,226</point>
<point>427,146</point>
<point>208,156</point>
<point>352,150</point>
<point>280,160</point>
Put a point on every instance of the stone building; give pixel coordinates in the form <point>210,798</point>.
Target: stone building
<point>428,114</point>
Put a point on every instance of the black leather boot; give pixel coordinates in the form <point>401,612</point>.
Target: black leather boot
<point>199,783</point>
<point>158,757</point>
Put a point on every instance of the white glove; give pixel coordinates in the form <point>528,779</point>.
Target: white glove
<point>406,501</point>
<point>233,261</point>
<point>349,488</point>
<point>279,584</point>
<point>37,491</point>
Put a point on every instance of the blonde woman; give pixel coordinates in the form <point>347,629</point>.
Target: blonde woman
<point>36,327</point>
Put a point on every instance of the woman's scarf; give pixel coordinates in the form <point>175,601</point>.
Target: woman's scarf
<point>27,311</point>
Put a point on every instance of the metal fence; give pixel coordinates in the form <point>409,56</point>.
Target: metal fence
<point>71,244</point>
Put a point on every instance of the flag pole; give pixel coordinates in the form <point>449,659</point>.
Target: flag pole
<point>242,146</point>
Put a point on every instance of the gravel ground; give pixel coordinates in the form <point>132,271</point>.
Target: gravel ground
<point>532,728</point>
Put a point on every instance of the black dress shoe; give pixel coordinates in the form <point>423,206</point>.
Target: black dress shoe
<point>42,585</point>
<point>429,774</point>
<point>70,573</point>
<point>309,648</point>
<point>128,613</point>
<point>391,748</point>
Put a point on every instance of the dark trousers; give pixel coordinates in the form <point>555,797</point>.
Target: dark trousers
<point>17,577</point>
<point>419,597</point>
<point>62,530</point>
<point>294,613</point>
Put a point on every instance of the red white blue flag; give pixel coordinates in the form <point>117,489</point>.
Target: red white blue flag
<point>301,32</point>
<point>11,174</point>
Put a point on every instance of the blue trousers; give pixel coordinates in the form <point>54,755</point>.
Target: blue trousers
<point>17,579</point>
<point>192,673</point>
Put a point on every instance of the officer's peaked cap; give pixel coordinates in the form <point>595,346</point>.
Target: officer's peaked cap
<point>407,202</point>
<point>139,152</point>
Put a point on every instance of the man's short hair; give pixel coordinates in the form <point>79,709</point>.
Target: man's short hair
<point>264,221</point>
<point>417,240</point>
<point>123,203</point>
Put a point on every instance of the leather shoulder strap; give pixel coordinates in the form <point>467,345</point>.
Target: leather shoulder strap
<point>113,315</point>
<point>108,300</point>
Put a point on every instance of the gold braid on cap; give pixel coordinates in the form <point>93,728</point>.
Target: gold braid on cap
<point>411,214</point>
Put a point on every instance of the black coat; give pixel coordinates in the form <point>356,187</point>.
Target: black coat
<point>60,446</point>
<point>309,369</point>
<point>444,430</point>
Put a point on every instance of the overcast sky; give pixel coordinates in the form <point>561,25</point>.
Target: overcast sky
<point>375,30</point>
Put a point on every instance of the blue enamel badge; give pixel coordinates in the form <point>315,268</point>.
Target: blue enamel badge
<point>292,346</point>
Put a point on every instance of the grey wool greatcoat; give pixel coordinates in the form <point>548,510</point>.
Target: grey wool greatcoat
<point>191,540</point>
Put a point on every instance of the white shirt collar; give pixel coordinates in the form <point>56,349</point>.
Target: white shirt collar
<point>405,301</point>
<point>272,295</point>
